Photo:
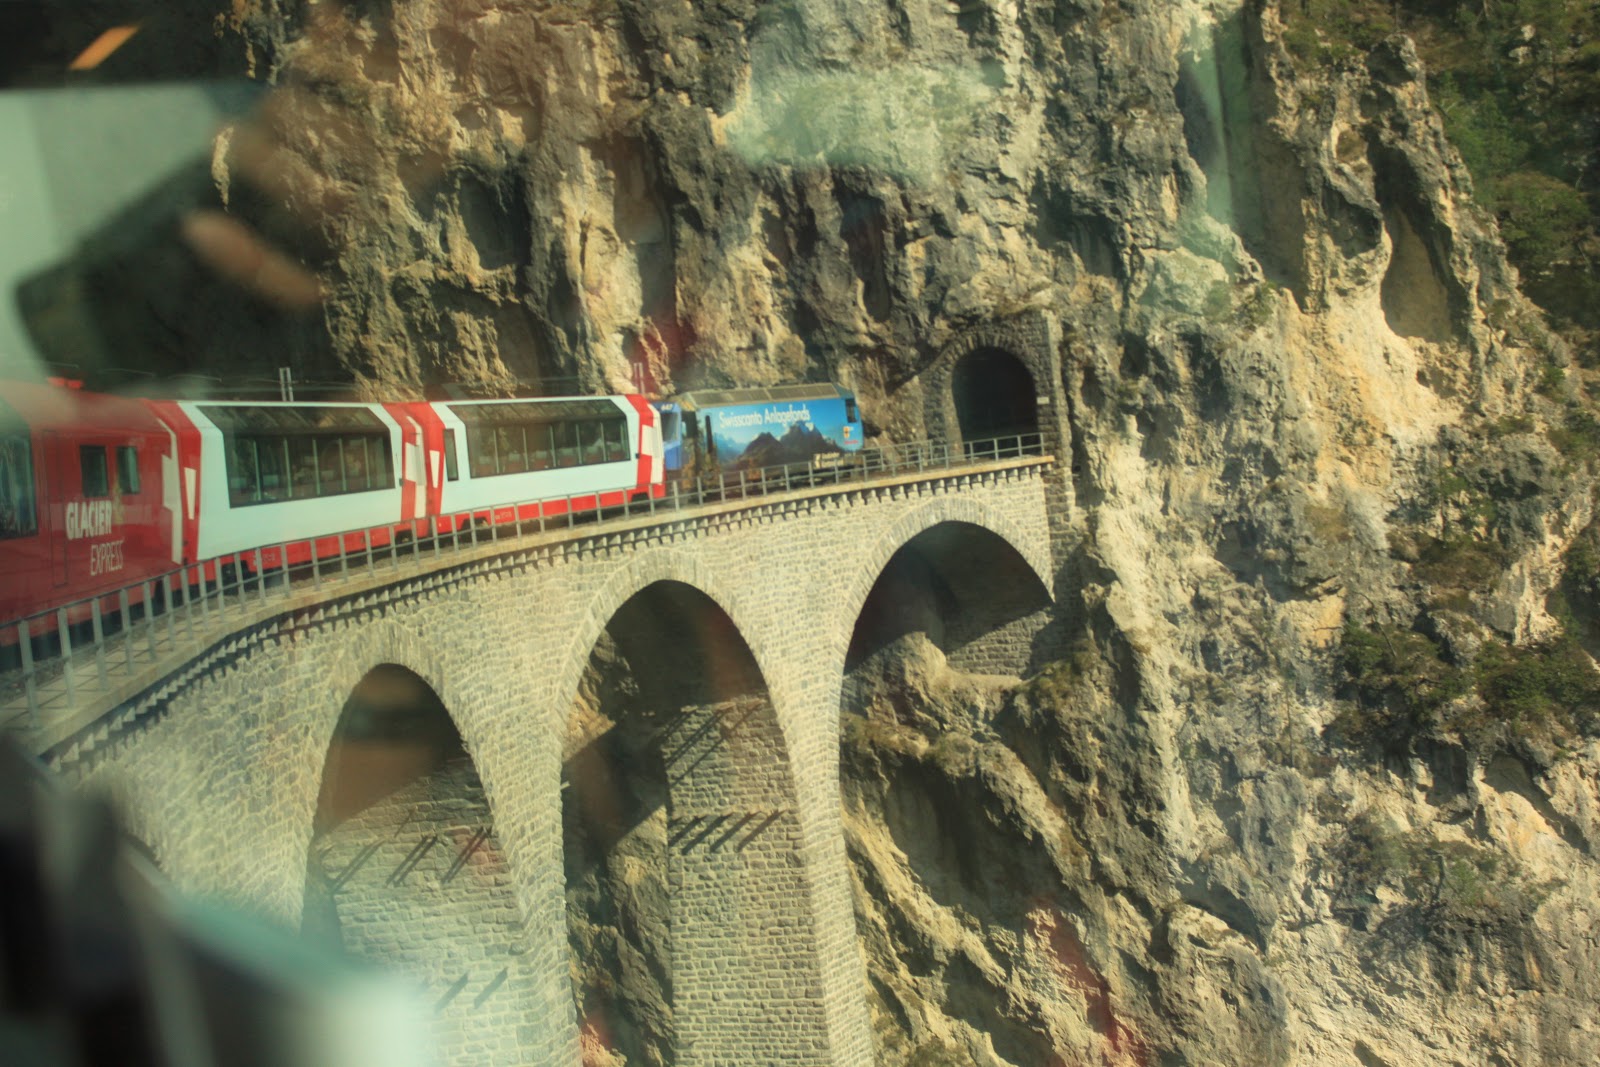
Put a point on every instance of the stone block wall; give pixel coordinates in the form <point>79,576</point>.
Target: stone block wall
<point>417,883</point>
<point>742,929</point>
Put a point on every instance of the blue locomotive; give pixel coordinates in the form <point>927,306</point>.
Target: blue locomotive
<point>817,427</point>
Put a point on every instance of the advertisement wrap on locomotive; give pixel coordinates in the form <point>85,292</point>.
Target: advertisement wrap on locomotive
<point>814,426</point>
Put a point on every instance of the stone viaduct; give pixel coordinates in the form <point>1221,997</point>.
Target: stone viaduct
<point>220,768</point>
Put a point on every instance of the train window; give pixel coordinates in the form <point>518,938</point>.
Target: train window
<point>272,461</point>
<point>541,450</point>
<point>302,466</point>
<point>244,475</point>
<point>513,450</point>
<point>452,470</point>
<point>591,435</point>
<point>17,514</point>
<point>481,451</point>
<point>566,437</point>
<point>380,475</point>
<point>527,435</point>
<point>330,466</point>
<point>127,470</point>
<point>850,414</point>
<point>280,451</point>
<point>616,440</point>
<point>92,465</point>
<point>352,464</point>
<point>355,464</point>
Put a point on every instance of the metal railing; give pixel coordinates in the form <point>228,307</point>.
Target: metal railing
<point>82,644</point>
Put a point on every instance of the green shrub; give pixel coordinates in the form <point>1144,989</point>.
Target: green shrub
<point>1546,690</point>
<point>1067,680</point>
<point>938,1053</point>
<point>1405,691</point>
<point>1552,380</point>
<point>1578,436</point>
<point>1581,564</point>
<point>1542,219</point>
<point>1443,882</point>
<point>1460,562</point>
<point>1509,425</point>
<point>1401,682</point>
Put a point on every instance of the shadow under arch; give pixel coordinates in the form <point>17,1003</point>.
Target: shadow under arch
<point>967,589</point>
<point>981,561</point>
<point>994,394</point>
<point>688,915</point>
<point>404,867</point>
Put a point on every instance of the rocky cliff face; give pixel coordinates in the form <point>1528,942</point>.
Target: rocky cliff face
<point>1296,799</point>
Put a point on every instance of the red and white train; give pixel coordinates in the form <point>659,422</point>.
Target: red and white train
<point>101,493</point>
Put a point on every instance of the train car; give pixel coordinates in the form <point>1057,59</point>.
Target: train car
<point>286,478</point>
<point>483,455</point>
<point>290,478</point>
<point>814,426</point>
<point>85,506</point>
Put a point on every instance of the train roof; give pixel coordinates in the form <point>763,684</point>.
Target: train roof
<point>716,398</point>
<point>525,409</point>
<point>39,406</point>
<point>291,418</point>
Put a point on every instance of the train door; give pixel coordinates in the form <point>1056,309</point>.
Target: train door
<point>414,474</point>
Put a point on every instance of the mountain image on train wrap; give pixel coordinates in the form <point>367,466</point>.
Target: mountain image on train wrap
<point>802,442</point>
<point>816,425</point>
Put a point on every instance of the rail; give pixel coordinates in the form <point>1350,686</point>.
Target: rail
<point>157,614</point>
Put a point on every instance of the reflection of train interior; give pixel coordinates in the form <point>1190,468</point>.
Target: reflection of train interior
<point>102,493</point>
<point>816,426</point>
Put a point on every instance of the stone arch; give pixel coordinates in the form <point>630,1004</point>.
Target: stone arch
<point>914,725</point>
<point>628,581</point>
<point>384,640</point>
<point>138,802</point>
<point>1033,550</point>
<point>417,864</point>
<point>682,833</point>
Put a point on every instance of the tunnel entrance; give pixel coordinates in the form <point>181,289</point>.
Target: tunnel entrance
<point>687,910</point>
<point>405,869</point>
<point>995,396</point>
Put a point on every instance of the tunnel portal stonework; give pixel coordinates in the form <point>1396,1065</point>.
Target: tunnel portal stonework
<point>1034,341</point>
<point>219,769</point>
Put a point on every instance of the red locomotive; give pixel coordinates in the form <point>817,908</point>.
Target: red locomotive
<point>101,493</point>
